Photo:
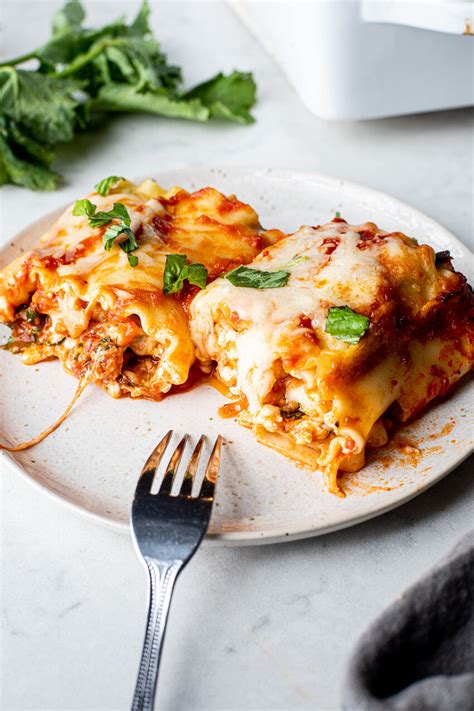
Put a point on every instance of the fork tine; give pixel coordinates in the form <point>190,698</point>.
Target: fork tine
<point>147,475</point>
<point>212,471</point>
<point>187,486</point>
<point>171,469</point>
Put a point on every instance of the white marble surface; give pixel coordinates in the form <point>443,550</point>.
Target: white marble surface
<point>256,628</point>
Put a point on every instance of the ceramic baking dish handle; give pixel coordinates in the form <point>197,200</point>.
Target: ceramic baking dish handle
<point>455,17</point>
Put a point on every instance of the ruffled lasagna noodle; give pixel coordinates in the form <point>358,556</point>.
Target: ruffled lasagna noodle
<point>318,399</point>
<point>70,299</point>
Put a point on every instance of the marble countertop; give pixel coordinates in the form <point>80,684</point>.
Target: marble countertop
<point>252,628</point>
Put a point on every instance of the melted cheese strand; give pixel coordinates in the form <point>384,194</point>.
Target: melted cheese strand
<point>83,383</point>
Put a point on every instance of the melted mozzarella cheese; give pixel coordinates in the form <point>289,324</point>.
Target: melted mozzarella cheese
<point>317,280</point>
<point>80,286</point>
<point>261,336</point>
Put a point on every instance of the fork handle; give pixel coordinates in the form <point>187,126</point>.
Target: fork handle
<point>162,579</point>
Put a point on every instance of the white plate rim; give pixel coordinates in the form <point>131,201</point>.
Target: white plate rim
<point>235,538</point>
<point>241,538</point>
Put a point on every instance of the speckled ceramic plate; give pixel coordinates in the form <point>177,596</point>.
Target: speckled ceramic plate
<point>92,462</point>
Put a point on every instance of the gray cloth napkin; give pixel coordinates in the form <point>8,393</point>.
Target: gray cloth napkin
<point>419,654</point>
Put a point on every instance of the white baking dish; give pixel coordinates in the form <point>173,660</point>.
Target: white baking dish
<point>360,59</point>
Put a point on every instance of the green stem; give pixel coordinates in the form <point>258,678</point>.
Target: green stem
<point>19,60</point>
<point>83,59</point>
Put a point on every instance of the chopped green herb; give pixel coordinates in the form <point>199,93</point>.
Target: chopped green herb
<point>256,279</point>
<point>338,214</point>
<point>105,186</point>
<point>129,245</point>
<point>345,324</point>
<point>84,207</point>
<point>99,219</point>
<point>177,271</point>
<point>114,231</point>
<point>297,259</point>
<point>197,275</point>
<point>118,212</point>
<point>105,344</point>
<point>30,315</point>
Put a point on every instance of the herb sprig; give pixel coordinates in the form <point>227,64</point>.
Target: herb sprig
<point>177,271</point>
<point>257,279</point>
<point>345,324</point>
<point>104,186</point>
<point>122,227</point>
<point>80,72</point>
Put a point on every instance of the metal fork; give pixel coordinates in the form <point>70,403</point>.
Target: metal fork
<point>167,530</point>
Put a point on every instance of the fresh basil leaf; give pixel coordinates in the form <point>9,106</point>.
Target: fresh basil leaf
<point>118,212</point>
<point>84,207</point>
<point>175,273</point>
<point>105,186</point>
<point>345,324</point>
<point>130,243</point>
<point>99,219</point>
<point>256,279</point>
<point>110,235</point>
<point>132,260</point>
<point>227,97</point>
<point>114,231</point>
<point>197,275</point>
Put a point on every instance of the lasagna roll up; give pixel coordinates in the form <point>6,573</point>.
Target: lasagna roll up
<point>330,333</point>
<point>100,307</point>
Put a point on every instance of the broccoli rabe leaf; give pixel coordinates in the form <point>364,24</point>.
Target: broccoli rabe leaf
<point>228,97</point>
<point>119,67</point>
